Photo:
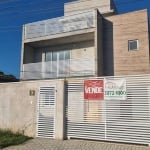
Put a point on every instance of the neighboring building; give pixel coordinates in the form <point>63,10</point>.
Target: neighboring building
<point>90,40</point>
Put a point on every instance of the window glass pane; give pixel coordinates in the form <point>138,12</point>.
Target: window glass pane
<point>61,55</point>
<point>67,54</point>
<point>37,57</point>
<point>48,56</point>
<point>54,56</point>
<point>133,44</point>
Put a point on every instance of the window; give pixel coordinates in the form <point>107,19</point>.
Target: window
<point>48,56</point>
<point>67,55</point>
<point>57,63</point>
<point>57,55</point>
<point>54,56</point>
<point>133,45</point>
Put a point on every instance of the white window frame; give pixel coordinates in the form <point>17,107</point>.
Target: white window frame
<point>58,60</point>
<point>135,40</point>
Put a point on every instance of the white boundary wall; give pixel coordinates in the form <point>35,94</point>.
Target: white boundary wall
<point>19,106</point>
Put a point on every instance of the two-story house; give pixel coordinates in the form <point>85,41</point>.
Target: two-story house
<point>91,39</point>
<point>68,46</point>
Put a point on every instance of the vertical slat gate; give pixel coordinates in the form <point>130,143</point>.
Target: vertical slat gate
<point>111,120</point>
<point>46,112</point>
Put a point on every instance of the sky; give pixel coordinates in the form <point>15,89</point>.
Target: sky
<point>15,13</point>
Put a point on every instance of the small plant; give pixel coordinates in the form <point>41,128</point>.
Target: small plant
<point>8,138</point>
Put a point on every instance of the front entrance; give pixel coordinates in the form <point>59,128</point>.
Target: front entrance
<point>46,112</point>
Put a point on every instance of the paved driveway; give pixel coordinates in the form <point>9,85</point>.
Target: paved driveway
<point>47,144</point>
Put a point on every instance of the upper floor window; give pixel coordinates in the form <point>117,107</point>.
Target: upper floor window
<point>133,45</point>
<point>57,55</point>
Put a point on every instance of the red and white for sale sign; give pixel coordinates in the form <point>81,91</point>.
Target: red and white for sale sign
<point>94,89</point>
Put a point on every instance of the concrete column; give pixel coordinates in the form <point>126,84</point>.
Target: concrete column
<point>60,111</point>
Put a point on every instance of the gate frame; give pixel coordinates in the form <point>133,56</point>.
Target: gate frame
<point>59,114</point>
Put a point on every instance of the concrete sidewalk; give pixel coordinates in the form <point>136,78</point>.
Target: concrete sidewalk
<point>48,144</point>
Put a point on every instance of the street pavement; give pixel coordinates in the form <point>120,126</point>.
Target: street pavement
<point>49,144</point>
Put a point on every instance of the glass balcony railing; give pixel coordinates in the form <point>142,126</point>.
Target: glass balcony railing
<point>60,25</point>
<point>59,69</point>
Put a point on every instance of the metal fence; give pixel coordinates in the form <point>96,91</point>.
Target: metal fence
<point>60,25</point>
<point>110,120</point>
<point>58,69</point>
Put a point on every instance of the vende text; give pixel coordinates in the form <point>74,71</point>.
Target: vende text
<point>93,90</point>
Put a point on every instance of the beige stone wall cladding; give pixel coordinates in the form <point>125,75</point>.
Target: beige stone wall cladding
<point>130,26</point>
<point>18,110</point>
<point>83,53</point>
<point>82,5</point>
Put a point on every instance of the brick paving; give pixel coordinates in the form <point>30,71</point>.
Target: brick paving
<point>48,144</point>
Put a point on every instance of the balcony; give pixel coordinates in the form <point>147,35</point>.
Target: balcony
<point>59,25</point>
<point>59,69</point>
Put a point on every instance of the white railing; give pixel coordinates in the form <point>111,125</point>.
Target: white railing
<point>59,25</point>
<point>59,69</point>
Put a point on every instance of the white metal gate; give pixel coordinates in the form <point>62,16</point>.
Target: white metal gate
<point>110,120</point>
<point>46,112</point>
<point>80,123</point>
